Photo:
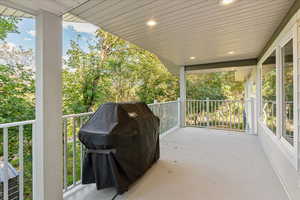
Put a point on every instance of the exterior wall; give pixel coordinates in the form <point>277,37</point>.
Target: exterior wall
<point>280,161</point>
<point>283,158</point>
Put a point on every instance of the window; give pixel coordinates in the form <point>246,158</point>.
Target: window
<point>268,92</point>
<point>288,124</point>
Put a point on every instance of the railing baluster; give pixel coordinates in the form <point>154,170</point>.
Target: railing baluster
<point>197,113</point>
<point>207,112</point>
<point>81,151</point>
<point>218,116</point>
<point>215,113</point>
<point>200,113</point>
<point>21,163</point>
<point>273,115</point>
<point>74,151</point>
<point>5,164</point>
<point>191,113</point>
<point>204,113</point>
<point>225,123</point>
<point>194,113</point>
<point>230,116</point>
<point>187,112</point>
<point>65,134</point>
<point>240,115</point>
<point>234,115</point>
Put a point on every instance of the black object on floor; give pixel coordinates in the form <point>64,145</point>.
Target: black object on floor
<point>122,142</point>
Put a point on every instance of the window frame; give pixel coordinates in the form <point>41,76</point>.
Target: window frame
<point>266,56</point>
<point>289,37</point>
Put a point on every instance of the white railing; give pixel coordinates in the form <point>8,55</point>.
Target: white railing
<point>12,132</point>
<point>73,150</point>
<point>219,114</point>
<point>168,113</point>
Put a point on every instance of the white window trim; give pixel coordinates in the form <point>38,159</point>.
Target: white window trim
<point>266,56</point>
<point>289,36</point>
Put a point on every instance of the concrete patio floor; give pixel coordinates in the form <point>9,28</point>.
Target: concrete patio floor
<point>202,164</point>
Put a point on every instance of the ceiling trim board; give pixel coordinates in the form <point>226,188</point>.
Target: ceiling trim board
<point>233,63</point>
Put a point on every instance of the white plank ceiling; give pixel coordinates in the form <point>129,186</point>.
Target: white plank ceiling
<point>203,29</point>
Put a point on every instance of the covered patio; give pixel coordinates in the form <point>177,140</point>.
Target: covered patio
<point>193,36</point>
<point>202,164</point>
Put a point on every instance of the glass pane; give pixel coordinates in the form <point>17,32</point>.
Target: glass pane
<point>288,131</point>
<point>268,76</point>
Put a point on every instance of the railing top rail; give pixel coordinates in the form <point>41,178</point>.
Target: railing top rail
<point>22,123</point>
<point>152,104</point>
<point>226,100</point>
<point>13,124</point>
<point>268,101</point>
<point>77,115</point>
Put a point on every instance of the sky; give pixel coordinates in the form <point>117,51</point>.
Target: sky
<point>26,35</point>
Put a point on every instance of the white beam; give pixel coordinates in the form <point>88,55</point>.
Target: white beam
<point>182,83</point>
<point>47,139</point>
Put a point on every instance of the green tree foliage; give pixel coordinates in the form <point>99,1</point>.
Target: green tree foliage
<point>80,91</point>
<point>7,25</point>
<point>114,70</point>
<point>16,84</point>
<point>155,82</point>
<point>216,86</point>
<point>16,93</point>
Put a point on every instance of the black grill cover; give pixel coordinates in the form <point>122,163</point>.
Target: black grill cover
<point>122,142</point>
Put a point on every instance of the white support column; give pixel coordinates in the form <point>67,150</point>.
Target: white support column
<point>182,83</point>
<point>279,94</point>
<point>178,113</point>
<point>47,140</point>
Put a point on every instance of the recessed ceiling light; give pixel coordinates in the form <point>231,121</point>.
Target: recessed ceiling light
<point>151,22</point>
<point>192,57</point>
<point>227,2</point>
<point>231,52</point>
